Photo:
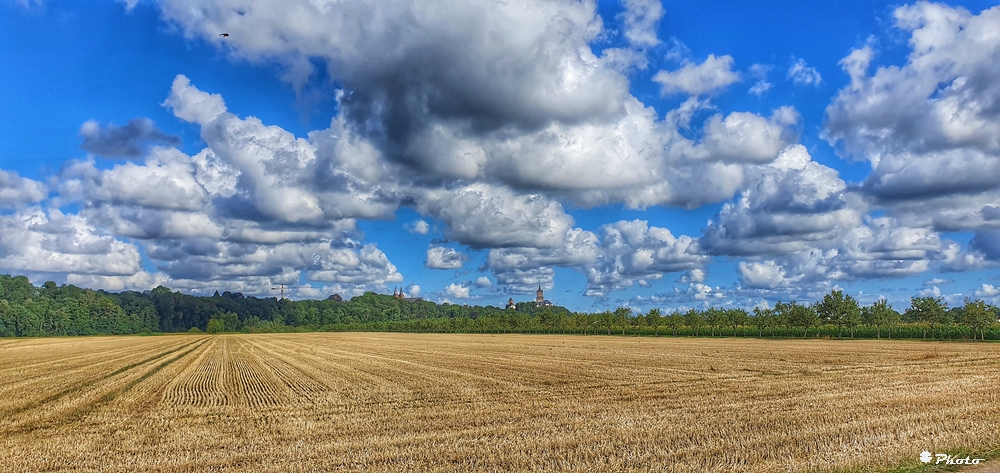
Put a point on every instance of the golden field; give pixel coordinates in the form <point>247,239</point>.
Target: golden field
<point>407,402</point>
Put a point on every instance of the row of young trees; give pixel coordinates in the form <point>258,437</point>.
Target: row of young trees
<point>839,312</point>
<point>47,310</point>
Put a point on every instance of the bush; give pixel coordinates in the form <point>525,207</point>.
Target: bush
<point>195,330</point>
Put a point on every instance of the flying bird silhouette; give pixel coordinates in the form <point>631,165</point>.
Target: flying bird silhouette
<point>224,35</point>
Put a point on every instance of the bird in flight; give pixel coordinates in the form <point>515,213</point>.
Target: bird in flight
<point>224,35</point>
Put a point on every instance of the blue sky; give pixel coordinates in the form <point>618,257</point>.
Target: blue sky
<point>639,153</point>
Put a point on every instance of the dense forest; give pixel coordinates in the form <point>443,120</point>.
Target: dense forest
<point>52,310</point>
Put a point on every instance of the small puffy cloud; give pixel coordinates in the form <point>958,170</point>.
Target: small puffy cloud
<point>457,291</point>
<point>418,226</point>
<point>16,191</point>
<point>987,290</point>
<point>930,292</point>
<point>704,292</point>
<point>440,257</point>
<point>414,290</point>
<point>693,276</point>
<point>129,4</point>
<point>128,141</point>
<point>641,17</point>
<point>483,281</point>
<point>274,169</point>
<point>761,86</point>
<point>764,274</point>
<point>883,248</point>
<point>801,74</point>
<point>938,282</point>
<point>760,71</point>
<point>192,105</point>
<point>713,74</point>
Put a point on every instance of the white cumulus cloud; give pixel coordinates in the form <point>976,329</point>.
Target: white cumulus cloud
<point>800,73</point>
<point>457,291</point>
<point>713,74</point>
<point>441,257</point>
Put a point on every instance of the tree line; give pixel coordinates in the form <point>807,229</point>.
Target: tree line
<point>52,310</point>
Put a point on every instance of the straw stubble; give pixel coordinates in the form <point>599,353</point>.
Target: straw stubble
<point>362,401</point>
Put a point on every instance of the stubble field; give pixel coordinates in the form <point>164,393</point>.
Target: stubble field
<point>391,402</point>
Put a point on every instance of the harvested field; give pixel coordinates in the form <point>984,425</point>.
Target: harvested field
<point>363,401</point>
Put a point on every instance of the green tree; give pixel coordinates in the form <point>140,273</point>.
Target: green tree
<point>715,317</point>
<point>693,319</point>
<point>852,318</point>
<point>761,319</point>
<point>797,315</point>
<point>216,326</point>
<point>547,317</point>
<point>880,314</point>
<point>654,318</point>
<point>622,316</point>
<point>675,321</point>
<point>840,310</point>
<point>977,315</point>
<point>230,321</point>
<point>736,318</point>
<point>929,311</point>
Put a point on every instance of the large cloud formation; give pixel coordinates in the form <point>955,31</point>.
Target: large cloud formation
<point>245,213</point>
<point>931,127</point>
<point>532,118</point>
<point>505,93</point>
<point>618,256</point>
<point>802,230</point>
<point>492,118</point>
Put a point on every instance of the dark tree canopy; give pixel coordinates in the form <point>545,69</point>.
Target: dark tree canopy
<point>52,310</point>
